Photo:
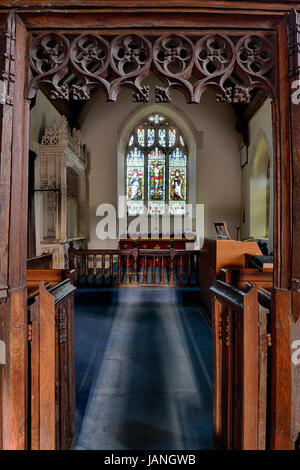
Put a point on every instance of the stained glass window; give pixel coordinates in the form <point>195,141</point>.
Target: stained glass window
<point>156,181</point>
<point>156,118</point>
<point>156,168</point>
<point>172,136</point>
<point>141,136</point>
<point>177,181</point>
<point>162,140</point>
<point>151,136</point>
<point>135,181</point>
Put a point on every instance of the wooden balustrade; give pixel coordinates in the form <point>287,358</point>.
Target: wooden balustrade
<point>134,267</point>
<point>237,414</point>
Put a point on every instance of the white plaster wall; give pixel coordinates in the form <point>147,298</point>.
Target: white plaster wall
<point>218,174</point>
<point>260,125</point>
<point>42,115</point>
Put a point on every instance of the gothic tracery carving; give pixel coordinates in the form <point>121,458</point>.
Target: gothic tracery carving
<point>8,58</point>
<point>294,44</point>
<point>231,64</point>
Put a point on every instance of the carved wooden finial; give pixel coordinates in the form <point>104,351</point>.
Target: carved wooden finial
<point>294,43</point>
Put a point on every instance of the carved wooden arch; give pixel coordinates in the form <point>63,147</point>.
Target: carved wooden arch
<point>231,63</point>
<point>287,130</point>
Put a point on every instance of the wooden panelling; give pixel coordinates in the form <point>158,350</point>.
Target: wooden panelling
<point>52,368</point>
<point>236,367</point>
<point>281,378</point>
<point>15,386</point>
<point>47,382</point>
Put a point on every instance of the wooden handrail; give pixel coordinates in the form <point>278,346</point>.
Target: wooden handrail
<point>230,295</point>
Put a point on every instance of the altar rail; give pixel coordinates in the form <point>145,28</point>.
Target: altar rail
<point>134,267</point>
<point>241,340</point>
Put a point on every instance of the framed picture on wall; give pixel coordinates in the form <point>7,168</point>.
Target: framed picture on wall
<point>244,156</point>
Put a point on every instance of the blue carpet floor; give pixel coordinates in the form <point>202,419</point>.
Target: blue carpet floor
<point>143,370</point>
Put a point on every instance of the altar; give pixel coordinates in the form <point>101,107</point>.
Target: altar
<point>158,242</point>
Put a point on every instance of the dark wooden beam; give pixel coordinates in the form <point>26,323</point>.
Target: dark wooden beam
<point>245,113</point>
<point>70,109</point>
<point>257,102</point>
<point>127,4</point>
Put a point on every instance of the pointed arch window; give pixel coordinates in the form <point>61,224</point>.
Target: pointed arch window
<point>156,168</point>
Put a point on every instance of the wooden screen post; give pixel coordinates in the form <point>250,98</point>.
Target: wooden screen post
<point>15,134</point>
<point>249,362</point>
<point>294,318</point>
<point>6,120</point>
<point>285,312</point>
<point>281,379</point>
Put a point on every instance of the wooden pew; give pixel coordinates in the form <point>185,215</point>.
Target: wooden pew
<point>262,263</point>
<point>50,276</point>
<point>239,277</point>
<point>218,254</point>
<point>240,344</point>
<point>40,262</point>
<point>51,359</point>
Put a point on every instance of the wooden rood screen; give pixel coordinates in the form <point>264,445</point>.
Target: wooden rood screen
<point>134,267</point>
<point>240,367</point>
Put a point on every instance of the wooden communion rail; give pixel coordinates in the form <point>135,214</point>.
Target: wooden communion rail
<point>134,267</point>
